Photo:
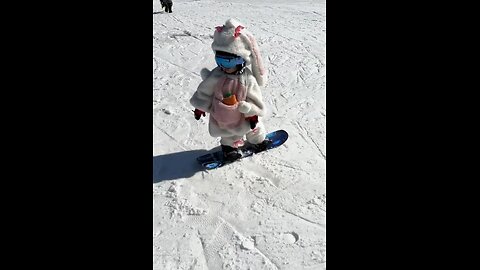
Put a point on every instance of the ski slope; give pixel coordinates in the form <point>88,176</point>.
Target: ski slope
<point>263,212</point>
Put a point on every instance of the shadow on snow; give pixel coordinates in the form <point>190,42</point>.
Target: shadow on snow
<point>177,165</point>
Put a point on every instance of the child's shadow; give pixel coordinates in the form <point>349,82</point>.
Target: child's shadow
<point>158,12</point>
<point>177,165</point>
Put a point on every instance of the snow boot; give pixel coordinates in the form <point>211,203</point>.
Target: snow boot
<point>261,146</point>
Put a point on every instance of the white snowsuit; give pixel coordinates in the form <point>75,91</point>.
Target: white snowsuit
<point>228,122</point>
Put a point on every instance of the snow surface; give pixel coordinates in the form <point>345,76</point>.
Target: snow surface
<point>263,212</point>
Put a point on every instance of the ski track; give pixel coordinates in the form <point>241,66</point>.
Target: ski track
<point>264,212</point>
<point>305,134</point>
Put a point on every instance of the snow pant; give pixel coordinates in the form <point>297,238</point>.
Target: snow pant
<point>254,136</point>
<point>168,7</point>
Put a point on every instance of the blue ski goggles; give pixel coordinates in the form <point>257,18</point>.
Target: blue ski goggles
<point>228,61</point>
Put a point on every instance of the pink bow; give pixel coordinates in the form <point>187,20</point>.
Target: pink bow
<point>237,31</point>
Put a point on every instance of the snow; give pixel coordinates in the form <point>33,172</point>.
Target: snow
<point>263,212</point>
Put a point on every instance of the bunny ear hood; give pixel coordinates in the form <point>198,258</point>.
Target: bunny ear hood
<point>234,38</point>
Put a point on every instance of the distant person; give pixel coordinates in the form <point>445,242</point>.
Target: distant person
<point>168,5</point>
<point>232,92</point>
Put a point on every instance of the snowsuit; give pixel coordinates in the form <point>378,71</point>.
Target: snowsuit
<point>227,121</point>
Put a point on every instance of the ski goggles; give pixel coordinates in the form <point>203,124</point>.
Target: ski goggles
<point>228,61</point>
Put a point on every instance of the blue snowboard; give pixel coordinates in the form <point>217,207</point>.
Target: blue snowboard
<point>215,160</point>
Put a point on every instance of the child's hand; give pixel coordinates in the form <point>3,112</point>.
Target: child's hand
<point>253,121</point>
<point>197,113</point>
<point>244,107</point>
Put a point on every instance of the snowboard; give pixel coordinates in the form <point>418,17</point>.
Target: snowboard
<point>216,160</point>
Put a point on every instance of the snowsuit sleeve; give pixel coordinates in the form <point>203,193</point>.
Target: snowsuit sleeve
<point>203,97</point>
<point>254,97</point>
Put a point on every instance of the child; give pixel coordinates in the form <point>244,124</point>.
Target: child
<point>231,93</point>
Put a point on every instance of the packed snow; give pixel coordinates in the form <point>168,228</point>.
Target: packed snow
<point>267,211</point>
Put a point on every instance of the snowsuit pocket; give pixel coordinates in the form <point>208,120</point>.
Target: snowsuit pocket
<point>227,116</point>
